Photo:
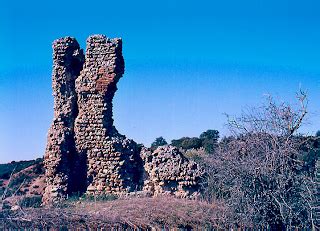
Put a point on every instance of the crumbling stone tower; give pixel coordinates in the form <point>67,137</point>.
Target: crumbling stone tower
<point>67,63</point>
<point>85,153</point>
<point>114,163</point>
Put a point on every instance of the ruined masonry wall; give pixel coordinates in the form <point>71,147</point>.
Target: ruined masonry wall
<point>85,153</point>
<point>114,163</point>
<point>67,63</point>
<point>167,171</point>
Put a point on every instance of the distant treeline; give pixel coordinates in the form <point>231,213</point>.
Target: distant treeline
<point>207,140</point>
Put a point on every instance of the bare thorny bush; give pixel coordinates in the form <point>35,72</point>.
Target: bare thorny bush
<point>258,171</point>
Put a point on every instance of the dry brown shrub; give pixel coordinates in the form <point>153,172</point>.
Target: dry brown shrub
<point>258,172</point>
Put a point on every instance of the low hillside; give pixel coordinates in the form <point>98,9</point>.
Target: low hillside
<point>21,181</point>
<point>15,166</point>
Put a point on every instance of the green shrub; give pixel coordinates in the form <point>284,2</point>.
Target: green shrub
<point>160,141</point>
<point>209,140</point>
<point>105,197</point>
<point>84,197</point>
<point>187,143</point>
<point>34,202</point>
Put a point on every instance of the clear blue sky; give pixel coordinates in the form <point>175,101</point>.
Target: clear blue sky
<point>187,63</point>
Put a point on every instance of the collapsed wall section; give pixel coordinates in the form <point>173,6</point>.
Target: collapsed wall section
<point>60,153</point>
<point>168,172</point>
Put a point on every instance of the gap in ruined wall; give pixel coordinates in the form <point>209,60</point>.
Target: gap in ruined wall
<point>78,164</point>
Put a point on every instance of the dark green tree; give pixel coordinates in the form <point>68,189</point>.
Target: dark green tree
<point>210,134</point>
<point>187,143</point>
<point>209,140</point>
<point>158,142</point>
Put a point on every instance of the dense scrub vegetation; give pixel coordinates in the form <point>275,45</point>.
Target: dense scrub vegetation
<point>264,173</point>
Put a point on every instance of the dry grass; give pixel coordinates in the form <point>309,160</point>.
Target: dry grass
<point>157,212</point>
<point>163,211</point>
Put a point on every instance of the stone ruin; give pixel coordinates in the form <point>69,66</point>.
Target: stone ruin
<point>85,153</point>
<point>167,171</point>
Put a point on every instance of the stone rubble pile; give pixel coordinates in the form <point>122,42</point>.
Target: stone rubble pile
<point>85,153</point>
<point>167,171</point>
